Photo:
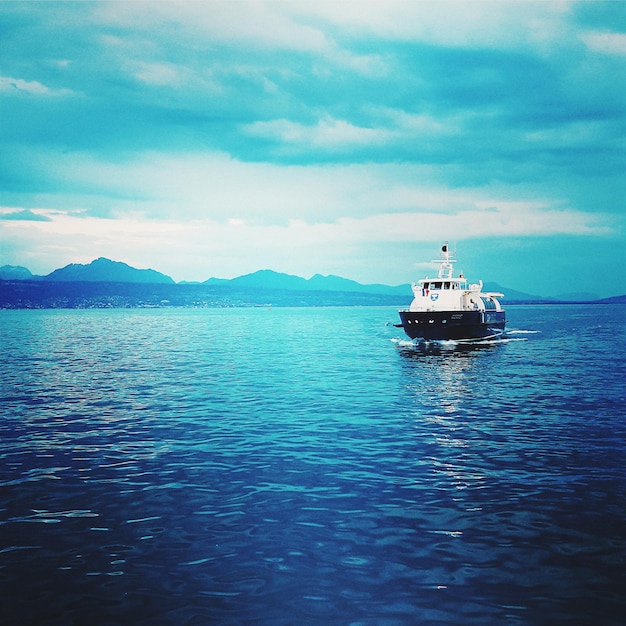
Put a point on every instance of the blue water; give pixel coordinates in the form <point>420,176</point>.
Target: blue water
<point>310,466</point>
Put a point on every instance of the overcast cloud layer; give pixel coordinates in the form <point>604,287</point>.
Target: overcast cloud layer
<point>217,138</point>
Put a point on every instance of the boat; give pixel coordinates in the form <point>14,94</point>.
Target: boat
<point>448,308</point>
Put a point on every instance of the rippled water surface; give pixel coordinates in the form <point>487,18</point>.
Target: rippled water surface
<point>310,466</point>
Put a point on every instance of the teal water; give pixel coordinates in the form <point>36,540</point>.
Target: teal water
<point>310,466</point>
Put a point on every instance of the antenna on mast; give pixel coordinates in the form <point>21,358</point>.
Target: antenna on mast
<point>446,260</point>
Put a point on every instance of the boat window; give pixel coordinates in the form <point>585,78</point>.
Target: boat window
<point>446,285</point>
<point>436,286</point>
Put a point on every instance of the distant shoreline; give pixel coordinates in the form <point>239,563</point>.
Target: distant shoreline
<point>38,294</point>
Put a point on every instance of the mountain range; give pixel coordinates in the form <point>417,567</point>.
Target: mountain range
<point>99,270</point>
<point>103,270</point>
<point>268,279</point>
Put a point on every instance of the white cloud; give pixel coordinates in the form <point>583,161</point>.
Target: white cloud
<point>605,42</point>
<point>161,74</point>
<point>265,24</point>
<point>417,124</point>
<point>200,248</point>
<point>197,185</point>
<point>31,87</point>
<point>327,133</point>
<point>337,135</point>
<point>462,23</point>
<point>304,26</point>
<point>200,186</point>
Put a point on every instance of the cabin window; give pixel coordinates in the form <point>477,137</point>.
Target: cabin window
<point>490,305</point>
<point>446,285</point>
<point>436,286</point>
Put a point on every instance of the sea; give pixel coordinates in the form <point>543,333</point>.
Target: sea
<point>313,466</point>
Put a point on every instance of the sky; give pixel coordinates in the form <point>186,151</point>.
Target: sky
<point>217,138</point>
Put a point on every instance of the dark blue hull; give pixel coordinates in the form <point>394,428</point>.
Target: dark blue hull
<point>453,325</point>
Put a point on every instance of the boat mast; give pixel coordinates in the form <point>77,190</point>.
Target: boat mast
<point>445,261</point>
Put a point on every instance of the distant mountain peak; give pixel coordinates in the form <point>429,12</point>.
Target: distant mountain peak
<point>14,272</point>
<point>105,270</point>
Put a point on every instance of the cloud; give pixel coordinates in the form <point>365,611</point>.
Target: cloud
<point>265,24</point>
<point>33,87</point>
<point>327,133</point>
<point>453,23</point>
<point>388,129</point>
<point>23,215</point>
<point>162,74</point>
<point>197,186</point>
<point>197,248</point>
<point>606,42</point>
